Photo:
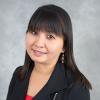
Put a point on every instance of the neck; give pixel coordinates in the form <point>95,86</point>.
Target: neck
<point>44,69</point>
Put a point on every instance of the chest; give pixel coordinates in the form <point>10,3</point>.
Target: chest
<point>36,84</point>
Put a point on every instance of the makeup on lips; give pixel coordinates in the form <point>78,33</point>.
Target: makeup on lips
<point>38,52</point>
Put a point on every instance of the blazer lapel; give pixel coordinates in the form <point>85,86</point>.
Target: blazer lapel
<point>56,83</point>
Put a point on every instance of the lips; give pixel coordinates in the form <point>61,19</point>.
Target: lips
<point>38,53</point>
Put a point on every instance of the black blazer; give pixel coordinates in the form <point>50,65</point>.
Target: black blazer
<point>58,87</point>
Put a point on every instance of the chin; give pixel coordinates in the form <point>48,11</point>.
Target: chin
<point>37,60</point>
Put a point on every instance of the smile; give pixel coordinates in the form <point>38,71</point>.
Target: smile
<point>38,53</point>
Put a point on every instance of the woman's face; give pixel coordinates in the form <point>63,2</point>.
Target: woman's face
<point>44,47</point>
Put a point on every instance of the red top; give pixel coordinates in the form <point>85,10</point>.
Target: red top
<point>28,97</point>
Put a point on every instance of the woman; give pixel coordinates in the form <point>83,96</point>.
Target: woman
<point>49,71</point>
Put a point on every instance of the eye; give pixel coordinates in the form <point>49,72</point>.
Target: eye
<point>34,33</point>
<point>50,37</point>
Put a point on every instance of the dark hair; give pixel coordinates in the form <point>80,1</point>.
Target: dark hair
<point>52,18</point>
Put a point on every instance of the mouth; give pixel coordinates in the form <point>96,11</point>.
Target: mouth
<point>38,53</point>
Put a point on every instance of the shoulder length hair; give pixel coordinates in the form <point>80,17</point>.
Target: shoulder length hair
<point>54,19</point>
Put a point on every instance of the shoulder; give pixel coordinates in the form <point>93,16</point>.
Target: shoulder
<point>17,70</point>
<point>13,81</point>
<point>79,92</point>
<point>76,90</point>
<point>15,73</point>
<point>14,76</point>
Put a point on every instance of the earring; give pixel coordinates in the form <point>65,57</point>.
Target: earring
<point>62,58</point>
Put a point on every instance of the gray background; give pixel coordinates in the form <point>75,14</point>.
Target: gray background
<point>85,15</point>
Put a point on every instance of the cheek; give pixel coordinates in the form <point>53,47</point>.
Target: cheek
<point>56,47</point>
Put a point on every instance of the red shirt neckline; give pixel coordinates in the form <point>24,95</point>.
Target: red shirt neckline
<point>28,97</point>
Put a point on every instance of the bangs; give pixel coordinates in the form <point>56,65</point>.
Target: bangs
<point>46,21</point>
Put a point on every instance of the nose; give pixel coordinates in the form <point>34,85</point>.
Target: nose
<point>39,41</point>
